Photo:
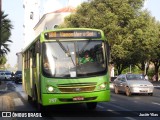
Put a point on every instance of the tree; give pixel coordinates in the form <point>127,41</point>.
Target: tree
<point>144,30</point>
<point>155,56</point>
<point>113,17</point>
<point>3,60</point>
<point>6,27</point>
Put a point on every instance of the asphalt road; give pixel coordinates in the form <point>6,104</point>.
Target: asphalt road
<point>136,107</point>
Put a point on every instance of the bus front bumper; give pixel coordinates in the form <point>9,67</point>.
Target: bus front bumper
<point>53,99</point>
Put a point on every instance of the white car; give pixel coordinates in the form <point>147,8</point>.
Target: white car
<point>5,75</point>
<point>132,83</point>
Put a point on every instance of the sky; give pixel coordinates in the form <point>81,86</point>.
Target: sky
<point>14,9</point>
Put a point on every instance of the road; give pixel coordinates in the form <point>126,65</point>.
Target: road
<point>120,107</point>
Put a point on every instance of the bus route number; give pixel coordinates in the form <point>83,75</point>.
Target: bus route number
<point>52,100</point>
<point>52,34</point>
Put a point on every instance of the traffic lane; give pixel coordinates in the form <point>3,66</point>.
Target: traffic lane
<point>119,106</point>
<point>79,110</point>
<point>134,102</point>
<point>63,111</point>
<point>115,108</point>
<point>141,102</point>
<point>133,107</point>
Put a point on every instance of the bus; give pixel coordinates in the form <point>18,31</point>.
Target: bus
<point>53,74</point>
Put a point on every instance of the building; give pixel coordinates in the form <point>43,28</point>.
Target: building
<point>31,17</point>
<point>34,25</point>
<point>19,61</point>
<point>52,20</point>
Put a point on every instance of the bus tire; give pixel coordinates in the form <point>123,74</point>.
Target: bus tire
<point>116,91</point>
<point>29,98</point>
<point>128,92</point>
<point>91,105</point>
<point>39,106</point>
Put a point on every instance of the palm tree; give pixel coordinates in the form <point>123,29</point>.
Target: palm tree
<point>5,33</point>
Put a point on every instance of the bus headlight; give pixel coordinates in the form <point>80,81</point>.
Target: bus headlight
<point>102,86</point>
<point>50,89</point>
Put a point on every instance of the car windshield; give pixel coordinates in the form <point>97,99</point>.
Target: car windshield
<point>135,77</point>
<point>73,59</point>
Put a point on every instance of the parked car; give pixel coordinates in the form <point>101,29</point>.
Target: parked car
<point>12,76</point>
<point>5,75</point>
<point>18,76</point>
<point>132,83</point>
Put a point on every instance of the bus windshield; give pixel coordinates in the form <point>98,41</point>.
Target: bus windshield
<point>73,58</point>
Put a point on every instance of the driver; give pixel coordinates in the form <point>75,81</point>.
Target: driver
<point>86,58</point>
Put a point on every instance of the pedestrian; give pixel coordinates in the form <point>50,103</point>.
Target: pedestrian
<point>146,77</point>
<point>154,78</point>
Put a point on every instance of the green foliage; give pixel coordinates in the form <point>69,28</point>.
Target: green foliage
<point>132,32</point>
<point>3,60</point>
<point>5,31</point>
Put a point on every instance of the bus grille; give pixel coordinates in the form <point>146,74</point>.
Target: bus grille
<point>77,87</point>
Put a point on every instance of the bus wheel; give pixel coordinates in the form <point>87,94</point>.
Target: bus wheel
<point>92,105</point>
<point>116,91</point>
<point>39,106</point>
<point>128,92</point>
<point>29,98</point>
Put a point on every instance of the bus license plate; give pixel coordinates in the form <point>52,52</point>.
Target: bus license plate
<point>78,98</point>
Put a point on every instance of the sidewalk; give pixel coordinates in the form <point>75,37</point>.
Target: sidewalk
<point>5,101</point>
<point>155,83</point>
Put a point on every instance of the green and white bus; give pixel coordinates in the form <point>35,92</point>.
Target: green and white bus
<point>53,73</point>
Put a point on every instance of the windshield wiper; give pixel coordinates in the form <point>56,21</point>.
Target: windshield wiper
<point>85,46</point>
<point>63,48</point>
<point>66,51</point>
<point>71,56</point>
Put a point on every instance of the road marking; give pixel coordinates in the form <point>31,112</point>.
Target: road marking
<point>155,103</point>
<point>129,118</point>
<point>18,102</point>
<point>125,109</point>
<point>100,106</point>
<point>113,111</point>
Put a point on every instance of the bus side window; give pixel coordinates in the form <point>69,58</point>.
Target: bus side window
<point>34,55</point>
<point>37,47</point>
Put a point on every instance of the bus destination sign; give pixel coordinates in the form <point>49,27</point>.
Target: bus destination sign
<point>73,34</point>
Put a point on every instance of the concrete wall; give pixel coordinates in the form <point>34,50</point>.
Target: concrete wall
<point>48,21</point>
